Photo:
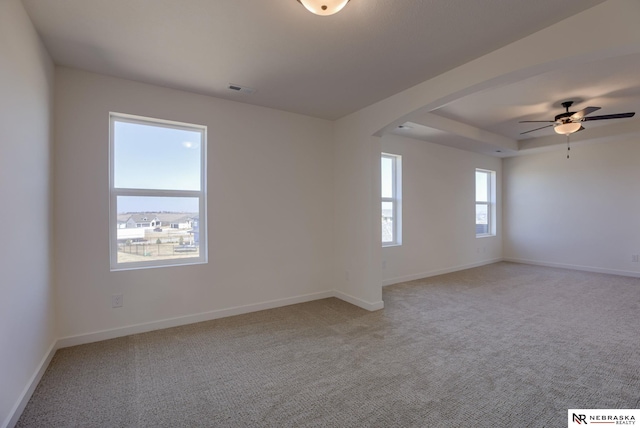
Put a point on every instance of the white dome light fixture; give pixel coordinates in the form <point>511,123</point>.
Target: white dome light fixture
<point>324,7</point>
<point>567,128</point>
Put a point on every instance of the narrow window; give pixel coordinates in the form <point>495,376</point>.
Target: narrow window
<point>485,203</point>
<point>157,176</point>
<point>391,187</point>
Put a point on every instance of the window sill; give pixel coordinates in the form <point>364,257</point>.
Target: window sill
<point>391,245</point>
<point>185,262</point>
<point>488,235</point>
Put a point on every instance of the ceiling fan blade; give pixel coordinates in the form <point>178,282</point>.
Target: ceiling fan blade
<point>581,129</point>
<point>537,121</point>
<point>542,127</point>
<point>577,116</point>
<point>610,116</point>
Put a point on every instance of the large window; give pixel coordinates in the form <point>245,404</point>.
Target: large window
<point>157,192</point>
<point>485,202</point>
<point>391,186</point>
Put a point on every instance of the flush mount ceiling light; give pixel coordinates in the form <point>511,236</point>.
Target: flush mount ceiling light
<point>567,128</point>
<point>324,7</point>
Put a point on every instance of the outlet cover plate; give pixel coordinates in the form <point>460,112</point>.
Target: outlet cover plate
<point>117,300</point>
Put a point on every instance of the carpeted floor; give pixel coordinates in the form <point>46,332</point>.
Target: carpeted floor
<point>497,346</point>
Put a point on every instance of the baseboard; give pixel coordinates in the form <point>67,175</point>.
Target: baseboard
<point>97,336</point>
<point>370,306</point>
<point>437,272</point>
<point>187,319</point>
<point>24,398</point>
<point>18,408</point>
<point>574,267</point>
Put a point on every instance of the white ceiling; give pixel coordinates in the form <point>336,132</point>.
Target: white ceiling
<point>328,67</point>
<point>325,67</point>
<point>613,84</point>
<point>492,116</point>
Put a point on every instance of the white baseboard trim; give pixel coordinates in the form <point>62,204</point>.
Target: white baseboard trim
<point>575,267</point>
<point>187,319</point>
<point>370,306</point>
<point>24,398</point>
<point>97,336</point>
<point>437,272</point>
<point>81,339</point>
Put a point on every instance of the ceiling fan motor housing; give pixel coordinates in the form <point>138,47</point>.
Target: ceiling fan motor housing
<point>565,117</point>
<point>567,114</point>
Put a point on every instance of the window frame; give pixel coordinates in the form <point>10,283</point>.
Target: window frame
<point>114,193</point>
<point>395,199</point>
<point>490,203</point>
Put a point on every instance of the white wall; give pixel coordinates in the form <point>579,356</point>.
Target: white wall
<point>270,194</point>
<point>357,204</point>
<point>278,183</point>
<point>438,211</point>
<point>357,211</point>
<point>27,327</point>
<point>581,212</point>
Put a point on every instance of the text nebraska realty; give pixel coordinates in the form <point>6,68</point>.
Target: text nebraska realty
<point>612,419</point>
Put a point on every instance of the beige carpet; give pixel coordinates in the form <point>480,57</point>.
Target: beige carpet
<point>498,346</point>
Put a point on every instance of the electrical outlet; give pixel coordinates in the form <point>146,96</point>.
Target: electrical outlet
<point>384,264</point>
<point>117,300</point>
<point>635,258</point>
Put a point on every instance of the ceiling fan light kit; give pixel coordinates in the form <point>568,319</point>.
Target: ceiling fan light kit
<point>567,128</point>
<point>324,7</point>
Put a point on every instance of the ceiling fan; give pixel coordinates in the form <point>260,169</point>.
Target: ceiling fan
<point>569,122</point>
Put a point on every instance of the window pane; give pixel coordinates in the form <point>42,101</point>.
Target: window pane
<point>156,157</point>
<point>482,219</point>
<point>157,228</point>
<point>482,186</point>
<point>386,173</point>
<point>387,222</point>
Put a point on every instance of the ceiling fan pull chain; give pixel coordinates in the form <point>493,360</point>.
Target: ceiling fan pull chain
<point>568,147</point>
